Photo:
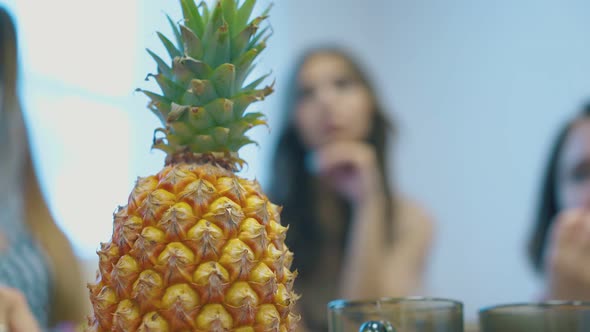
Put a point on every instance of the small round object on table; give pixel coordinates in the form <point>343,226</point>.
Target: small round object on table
<point>377,326</point>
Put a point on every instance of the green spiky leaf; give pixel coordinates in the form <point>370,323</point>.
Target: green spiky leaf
<point>244,63</point>
<point>242,39</point>
<point>163,68</point>
<point>263,35</point>
<point>251,120</point>
<point>220,135</point>
<point>204,90</point>
<point>224,80</point>
<point>161,109</point>
<point>167,149</point>
<point>230,9</point>
<point>189,98</point>
<point>161,143</point>
<point>221,110</point>
<point>173,52</point>
<point>175,140</point>
<point>159,105</point>
<point>244,13</point>
<point>268,9</point>
<point>256,83</point>
<point>206,12</point>
<point>215,22</point>
<point>192,18</point>
<point>241,103</point>
<point>177,36</point>
<point>177,113</point>
<point>202,143</point>
<point>200,119</point>
<point>238,129</point>
<point>193,47</point>
<point>181,129</point>
<point>255,118</point>
<point>237,144</point>
<point>154,97</point>
<point>157,112</point>
<point>244,100</point>
<point>248,72</point>
<point>199,68</point>
<point>219,47</point>
<point>182,75</point>
<point>169,88</point>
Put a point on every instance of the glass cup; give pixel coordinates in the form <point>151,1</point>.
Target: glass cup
<point>413,314</point>
<point>538,317</point>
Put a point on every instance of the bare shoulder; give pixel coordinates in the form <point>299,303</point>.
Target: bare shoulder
<point>413,219</point>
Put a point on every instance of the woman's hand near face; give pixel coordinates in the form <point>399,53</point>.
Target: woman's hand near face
<point>351,167</point>
<point>15,313</point>
<point>568,259</point>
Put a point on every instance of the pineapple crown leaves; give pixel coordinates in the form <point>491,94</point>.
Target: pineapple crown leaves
<point>204,96</point>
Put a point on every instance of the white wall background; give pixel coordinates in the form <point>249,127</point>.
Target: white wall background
<point>478,89</point>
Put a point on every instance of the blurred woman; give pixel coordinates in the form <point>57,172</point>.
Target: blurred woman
<point>40,282</point>
<point>354,237</point>
<point>560,244</point>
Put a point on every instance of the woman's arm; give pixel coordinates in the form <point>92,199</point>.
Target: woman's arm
<point>363,259</point>
<point>568,270</point>
<point>375,269</point>
<point>406,258</point>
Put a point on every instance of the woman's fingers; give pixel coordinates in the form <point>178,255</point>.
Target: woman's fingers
<point>23,321</point>
<point>352,154</point>
<point>3,312</point>
<point>8,297</point>
<point>351,168</point>
<point>15,313</point>
<point>569,256</point>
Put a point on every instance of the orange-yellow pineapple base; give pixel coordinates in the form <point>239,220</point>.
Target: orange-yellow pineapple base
<point>196,249</point>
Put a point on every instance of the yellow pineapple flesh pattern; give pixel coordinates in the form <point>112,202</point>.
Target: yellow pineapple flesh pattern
<point>196,249</point>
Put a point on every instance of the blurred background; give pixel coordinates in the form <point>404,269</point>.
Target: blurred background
<point>477,89</point>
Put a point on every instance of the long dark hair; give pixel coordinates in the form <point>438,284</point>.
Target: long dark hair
<point>8,63</point>
<point>293,185</point>
<point>548,207</point>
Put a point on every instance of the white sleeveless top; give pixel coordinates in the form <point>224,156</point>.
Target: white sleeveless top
<point>23,265</point>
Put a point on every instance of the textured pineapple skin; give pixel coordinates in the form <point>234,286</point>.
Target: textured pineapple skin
<point>195,249</point>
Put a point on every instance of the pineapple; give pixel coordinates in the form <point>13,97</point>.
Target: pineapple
<point>198,248</point>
